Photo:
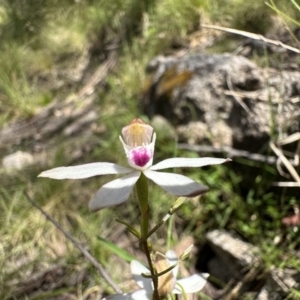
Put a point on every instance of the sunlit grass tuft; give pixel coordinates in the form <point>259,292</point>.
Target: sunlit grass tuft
<point>19,95</point>
<point>182,16</point>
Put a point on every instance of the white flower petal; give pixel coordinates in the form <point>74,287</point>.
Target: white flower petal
<point>138,295</point>
<point>141,295</point>
<point>114,192</point>
<point>85,171</point>
<point>179,162</point>
<point>136,270</point>
<point>118,297</point>
<point>173,259</point>
<point>192,284</point>
<point>176,184</point>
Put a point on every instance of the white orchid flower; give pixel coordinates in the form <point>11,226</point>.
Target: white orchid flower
<point>138,142</point>
<point>167,283</point>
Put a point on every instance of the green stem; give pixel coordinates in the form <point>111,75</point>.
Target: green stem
<point>142,193</point>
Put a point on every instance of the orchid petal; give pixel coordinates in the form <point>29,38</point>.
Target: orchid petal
<point>134,154</point>
<point>118,297</point>
<point>179,162</point>
<point>141,295</point>
<point>173,259</point>
<point>176,184</point>
<point>136,270</point>
<point>137,133</point>
<point>85,171</point>
<point>192,284</point>
<point>138,295</point>
<point>114,192</point>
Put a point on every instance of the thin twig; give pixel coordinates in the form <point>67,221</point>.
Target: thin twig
<point>238,99</point>
<point>87,255</point>
<point>252,36</point>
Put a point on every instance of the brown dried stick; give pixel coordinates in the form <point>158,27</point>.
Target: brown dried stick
<point>86,254</point>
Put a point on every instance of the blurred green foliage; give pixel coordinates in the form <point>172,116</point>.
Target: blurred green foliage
<point>40,39</point>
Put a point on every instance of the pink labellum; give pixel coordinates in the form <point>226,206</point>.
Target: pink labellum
<point>141,156</point>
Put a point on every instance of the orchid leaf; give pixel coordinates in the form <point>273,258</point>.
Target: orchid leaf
<point>115,249</point>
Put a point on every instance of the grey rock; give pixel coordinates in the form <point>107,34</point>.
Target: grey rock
<point>224,88</point>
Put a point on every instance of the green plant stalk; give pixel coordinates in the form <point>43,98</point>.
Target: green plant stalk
<point>164,271</point>
<point>142,193</point>
<point>172,210</point>
<point>130,228</point>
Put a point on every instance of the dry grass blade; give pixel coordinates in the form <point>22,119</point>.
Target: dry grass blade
<point>253,36</point>
<point>286,162</point>
<point>290,139</point>
<point>287,184</point>
<point>86,254</point>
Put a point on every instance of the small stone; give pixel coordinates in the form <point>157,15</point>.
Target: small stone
<point>163,127</point>
<point>18,160</point>
<point>263,295</point>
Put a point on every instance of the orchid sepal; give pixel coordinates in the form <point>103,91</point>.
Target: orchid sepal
<point>114,192</point>
<point>182,162</point>
<point>138,142</point>
<point>85,171</point>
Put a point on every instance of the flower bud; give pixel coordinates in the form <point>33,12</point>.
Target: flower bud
<point>167,281</point>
